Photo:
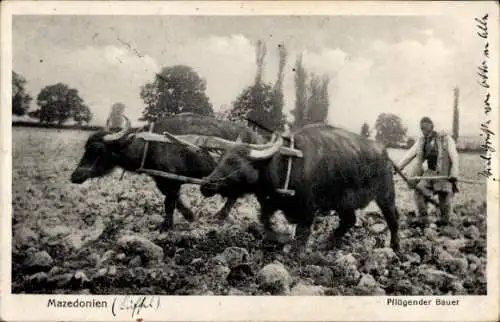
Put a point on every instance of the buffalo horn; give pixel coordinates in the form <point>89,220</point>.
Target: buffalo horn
<point>268,152</point>
<point>264,146</point>
<point>118,135</point>
<point>238,141</point>
<point>189,145</point>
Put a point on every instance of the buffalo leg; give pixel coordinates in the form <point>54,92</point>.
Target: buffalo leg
<point>224,212</point>
<point>303,218</point>
<point>388,207</point>
<point>184,210</point>
<point>302,234</point>
<point>266,213</point>
<point>172,201</point>
<point>169,207</point>
<point>347,221</point>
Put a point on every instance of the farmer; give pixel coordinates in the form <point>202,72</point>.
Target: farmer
<point>440,152</point>
<point>115,119</point>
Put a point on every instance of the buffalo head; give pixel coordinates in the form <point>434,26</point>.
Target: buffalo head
<point>98,158</point>
<point>238,170</point>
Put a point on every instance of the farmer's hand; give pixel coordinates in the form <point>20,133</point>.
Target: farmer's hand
<point>412,184</point>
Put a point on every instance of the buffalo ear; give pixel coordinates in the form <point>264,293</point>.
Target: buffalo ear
<point>238,139</point>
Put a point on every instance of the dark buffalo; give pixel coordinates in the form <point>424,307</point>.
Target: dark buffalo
<point>105,150</point>
<point>339,171</point>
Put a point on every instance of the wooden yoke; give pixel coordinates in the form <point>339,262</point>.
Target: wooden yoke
<point>152,137</point>
<point>285,189</point>
<point>209,143</point>
<point>146,146</point>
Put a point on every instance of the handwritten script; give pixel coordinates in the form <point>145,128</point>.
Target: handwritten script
<point>135,304</point>
<point>486,132</point>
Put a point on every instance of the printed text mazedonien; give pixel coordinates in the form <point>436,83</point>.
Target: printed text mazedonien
<point>84,304</point>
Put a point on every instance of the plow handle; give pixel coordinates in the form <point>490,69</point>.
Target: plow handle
<point>446,178</point>
<point>417,188</point>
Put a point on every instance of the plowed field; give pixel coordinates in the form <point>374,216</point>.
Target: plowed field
<point>101,238</point>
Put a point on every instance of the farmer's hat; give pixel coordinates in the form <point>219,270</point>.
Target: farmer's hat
<point>426,119</point>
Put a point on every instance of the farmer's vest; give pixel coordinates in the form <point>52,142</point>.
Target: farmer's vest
<point>430,151</point>
<point>435,152</point>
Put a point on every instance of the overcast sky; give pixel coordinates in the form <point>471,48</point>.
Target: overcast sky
<point>403,65</point>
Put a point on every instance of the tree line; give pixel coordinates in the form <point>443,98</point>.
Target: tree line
<point>57,103</point>
<point>390,130</point>
<point>179,89</point>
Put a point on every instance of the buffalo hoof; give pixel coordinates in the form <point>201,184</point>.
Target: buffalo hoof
<point>395,244</point>
<point>166,226</point>
<point>189,216</point>
<point>272,245</point>
<point>298,253</point>
<point>442,223</point>
<point>418,222</point>
<point>399,254</point>
<point>334,242</point>
<point>396,248</point>
<point>221,215</point>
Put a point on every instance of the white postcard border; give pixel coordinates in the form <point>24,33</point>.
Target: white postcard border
<point>34,307</point>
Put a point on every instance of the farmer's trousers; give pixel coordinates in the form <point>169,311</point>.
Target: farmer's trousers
<point>444,191</point>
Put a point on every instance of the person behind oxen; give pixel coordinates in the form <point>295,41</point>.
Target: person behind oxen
<point>438,149</point>
<point>115,119</point>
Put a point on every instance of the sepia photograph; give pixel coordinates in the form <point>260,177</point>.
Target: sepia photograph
<point>266,155</point>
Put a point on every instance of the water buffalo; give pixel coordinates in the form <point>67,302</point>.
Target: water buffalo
<point>339,171</point>
<point>105,150</point>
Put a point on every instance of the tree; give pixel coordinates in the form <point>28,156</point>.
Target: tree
<point>456,119</point>
<point>58,103</point>
<point>389,129</point>
<point>20,99</point>
<point>257,104</point>
<point>261,51</point>
<point>317,102</point>
<point>299,112</point>
<point>261,102</point>
<point>311,100</point>
<point>82,114</point>
<point>276,116</point>
<point>253,96</point>
<point>324,101</point>
<point>365,130</point>
<point>176,89</point>
<point>223,114</point>
<point>34,114</point>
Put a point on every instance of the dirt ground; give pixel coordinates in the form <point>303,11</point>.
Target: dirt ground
<point>101,238</point>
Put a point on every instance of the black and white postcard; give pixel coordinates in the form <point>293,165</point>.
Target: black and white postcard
<point>253,160</point>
